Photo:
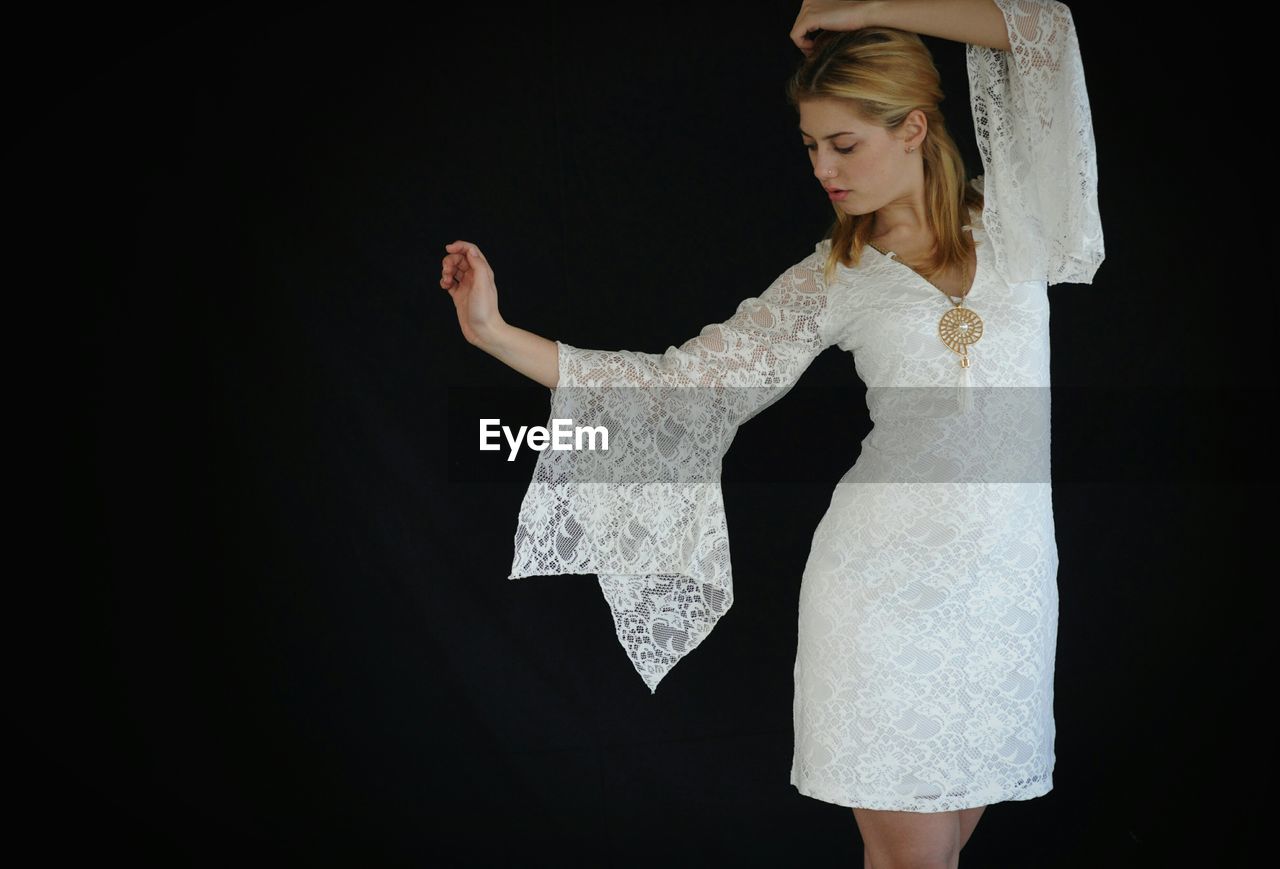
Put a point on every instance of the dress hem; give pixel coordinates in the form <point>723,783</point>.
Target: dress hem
<point>1027,793</point>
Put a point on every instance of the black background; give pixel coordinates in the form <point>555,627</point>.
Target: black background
<point>261,609</point>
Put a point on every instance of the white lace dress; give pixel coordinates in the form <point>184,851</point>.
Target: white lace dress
<point>928,604</point>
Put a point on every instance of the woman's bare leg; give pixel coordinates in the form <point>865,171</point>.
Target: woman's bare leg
<point>969,820</point>
<point>909,840</point>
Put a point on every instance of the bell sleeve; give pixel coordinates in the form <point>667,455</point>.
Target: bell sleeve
<point>647,516</point>
<point>1035,135</point>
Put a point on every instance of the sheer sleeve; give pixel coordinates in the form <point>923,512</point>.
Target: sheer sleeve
<point>1035,134</point>
<point>646,516</point>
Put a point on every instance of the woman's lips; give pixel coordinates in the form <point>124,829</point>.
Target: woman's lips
<point>837,195</point>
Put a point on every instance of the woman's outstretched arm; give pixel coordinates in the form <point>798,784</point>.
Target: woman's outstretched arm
<point>530,354</point>
<point>466,274</point>
<point>976,22</point>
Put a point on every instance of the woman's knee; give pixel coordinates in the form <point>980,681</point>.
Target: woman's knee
<point>931,860</point>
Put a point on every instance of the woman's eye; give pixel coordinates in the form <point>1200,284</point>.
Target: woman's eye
<point>848,150</point>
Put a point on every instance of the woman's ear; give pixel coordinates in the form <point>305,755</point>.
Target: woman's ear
<point>915,128</point>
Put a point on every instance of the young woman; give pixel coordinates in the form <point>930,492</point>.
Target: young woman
<point>928,605</point>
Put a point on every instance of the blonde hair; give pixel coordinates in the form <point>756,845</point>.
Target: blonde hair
<point>884,74</point>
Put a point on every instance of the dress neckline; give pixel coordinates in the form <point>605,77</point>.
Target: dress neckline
<point>975,227</point>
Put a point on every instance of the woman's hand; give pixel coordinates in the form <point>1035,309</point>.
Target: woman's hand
<point>829,15</point>
<point>465,273</point>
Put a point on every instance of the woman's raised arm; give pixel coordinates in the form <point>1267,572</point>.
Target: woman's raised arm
<point>976,22</point>
<point>1034,129</point>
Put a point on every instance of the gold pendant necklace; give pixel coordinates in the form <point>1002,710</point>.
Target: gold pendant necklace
<point>958,328</point>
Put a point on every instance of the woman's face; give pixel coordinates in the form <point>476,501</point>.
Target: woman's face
<point>851,154</point>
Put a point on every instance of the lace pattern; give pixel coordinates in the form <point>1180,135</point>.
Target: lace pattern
<point>649,518</point>
<point>928,607</point>
<point>1035,135</point>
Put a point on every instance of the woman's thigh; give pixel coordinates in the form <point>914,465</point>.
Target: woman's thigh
<point>909,837</point>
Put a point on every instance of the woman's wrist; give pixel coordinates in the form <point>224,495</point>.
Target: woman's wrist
<point>870,11</point>
<point>532,355</point>
<point>491,336</point>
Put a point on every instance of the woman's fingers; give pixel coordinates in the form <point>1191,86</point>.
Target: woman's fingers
<point>463,254</point>
<point>461,259</point>
<point>818,16</point>
<point>804,38</point>
<point>467,250</point>
<point>455,265</point>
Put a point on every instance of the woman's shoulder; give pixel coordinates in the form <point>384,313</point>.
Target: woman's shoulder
<point>840,272</point>
<point>822,254</point>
